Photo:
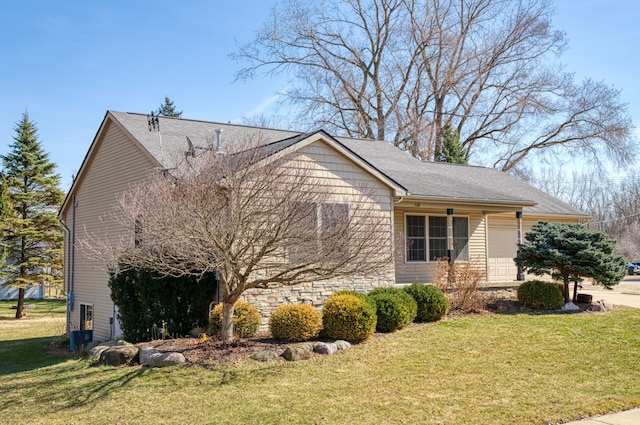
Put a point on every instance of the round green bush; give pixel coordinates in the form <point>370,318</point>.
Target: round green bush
<point>541,295</point>
<point>432,304</point>
<point>394,307</point>
<point>360,295</point>
<point>295,322</point>
<point>348,317</point>
<point>246,320</point>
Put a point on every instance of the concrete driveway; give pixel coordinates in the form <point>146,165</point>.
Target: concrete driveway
<point>627,292</point>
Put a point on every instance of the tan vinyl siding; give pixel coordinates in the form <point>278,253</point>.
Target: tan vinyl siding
<point>345,176</point>
<point>502,242</point>
<point>347,179</point>
<point>407,272</point>
<point>116,162</point>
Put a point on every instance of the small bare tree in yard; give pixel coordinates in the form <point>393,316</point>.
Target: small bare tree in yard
<point>257,217</point>
<point>462,284</point>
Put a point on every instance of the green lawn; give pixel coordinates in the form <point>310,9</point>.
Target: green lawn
<point>503,369</point>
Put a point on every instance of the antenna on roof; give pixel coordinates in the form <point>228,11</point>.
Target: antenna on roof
<point>153,122</point>
<point>192,149</point>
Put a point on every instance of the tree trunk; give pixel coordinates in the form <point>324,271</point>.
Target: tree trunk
<point>566,290</point>
<point>575,291</point>
<point>226,331</point>
<point>20,308</point>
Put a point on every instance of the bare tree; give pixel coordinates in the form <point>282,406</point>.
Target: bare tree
<point>613,205</point>
<point>256,217</point>
<point>400,70</point>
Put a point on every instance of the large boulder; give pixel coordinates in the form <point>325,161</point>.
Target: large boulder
<point>343,345</point>
<point>120,355</point>
<point>146,354</point>
<point>264,356</point>
<point>154,358</point>
<point>326,348</point>
<point>95,349</point>
<point>298,352</point>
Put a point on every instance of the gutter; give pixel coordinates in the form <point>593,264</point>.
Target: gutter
<point>479,201</point>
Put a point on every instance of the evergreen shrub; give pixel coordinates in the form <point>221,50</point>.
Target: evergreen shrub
<point>246,320</point>
<point>295,322</point>
<point>348,317</point>
<point>541,295</point>
<point>432,304</point>
<point>145,298</point>
<point>394,307</point>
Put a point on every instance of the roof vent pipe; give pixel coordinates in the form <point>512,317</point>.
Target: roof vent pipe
<point>218,140</point>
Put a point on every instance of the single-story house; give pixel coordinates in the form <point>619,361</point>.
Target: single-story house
<point>486,210</point>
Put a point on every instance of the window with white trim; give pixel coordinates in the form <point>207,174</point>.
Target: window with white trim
<point>86,317</point>
<point>430,243</point>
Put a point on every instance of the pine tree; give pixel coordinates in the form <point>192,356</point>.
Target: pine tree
<point>32,235</point>
<point>569,252</point>
<point>168,109</point>
<point>5,209</point>
<point>452,151</point>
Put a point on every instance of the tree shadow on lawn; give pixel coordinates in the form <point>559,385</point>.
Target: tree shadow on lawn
<point>21,355</point>
<point>75,385</point>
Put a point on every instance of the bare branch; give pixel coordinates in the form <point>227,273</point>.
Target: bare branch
<point>399,70</point>
<point>256,217</point>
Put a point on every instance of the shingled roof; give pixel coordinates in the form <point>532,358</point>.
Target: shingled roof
<point>421,180</point>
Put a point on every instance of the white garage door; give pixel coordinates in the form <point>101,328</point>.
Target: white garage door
<point>502,250</point>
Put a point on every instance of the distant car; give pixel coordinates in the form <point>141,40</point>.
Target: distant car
<point>633,268</point>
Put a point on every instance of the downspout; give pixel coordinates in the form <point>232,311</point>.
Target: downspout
<point>68,249</point>
<point>520,276</point>
<point>71,237</point>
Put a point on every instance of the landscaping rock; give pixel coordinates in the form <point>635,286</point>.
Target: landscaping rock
<point>96,350</point>
<point>326,348</point>
<point>120,355</point>
<point>154,358</point>
<point>146,354</point>
<point>264,356</point>
<point>570,307</point>
<point>597,306</point>
<point>298,352</point>
<point>342,345</point>
<point>166,359</point>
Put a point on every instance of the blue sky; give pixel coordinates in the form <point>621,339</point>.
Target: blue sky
<point>68,62</point>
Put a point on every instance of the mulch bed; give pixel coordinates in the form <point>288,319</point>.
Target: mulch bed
<point>216,351</point>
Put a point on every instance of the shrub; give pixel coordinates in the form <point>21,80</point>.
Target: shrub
<point>462,283</point>
<point>295,322</point>
<point>348,317</point>
<point>432,304</point>
<point>364,297</point>
<point>145,298</point>
<point>540,295</point>
<point>394,307</point>
<point>246,320</point>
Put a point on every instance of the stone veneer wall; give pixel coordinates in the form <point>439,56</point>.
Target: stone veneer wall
<point>313,293</point>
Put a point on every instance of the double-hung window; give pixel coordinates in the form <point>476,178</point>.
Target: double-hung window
<point>326,232</point>
<point>416,238</point>
<point>427,238</point>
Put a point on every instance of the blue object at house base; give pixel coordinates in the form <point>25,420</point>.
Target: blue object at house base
<point>79,338</point>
